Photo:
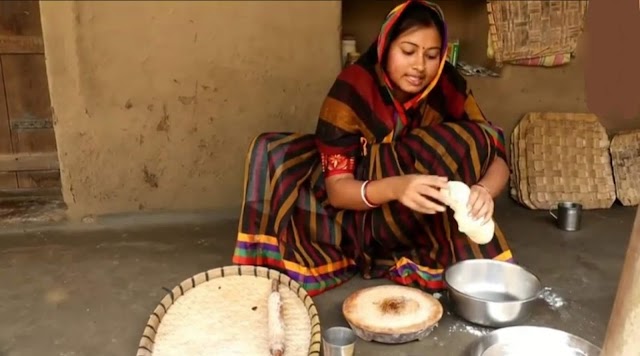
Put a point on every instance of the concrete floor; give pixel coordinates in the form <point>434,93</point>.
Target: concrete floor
<point>88,289</point>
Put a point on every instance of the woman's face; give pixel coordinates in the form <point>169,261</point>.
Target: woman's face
<point>414,59</point>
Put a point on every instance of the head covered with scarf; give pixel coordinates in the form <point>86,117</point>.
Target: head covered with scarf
<point>401,19</point>
<point>366,103</point>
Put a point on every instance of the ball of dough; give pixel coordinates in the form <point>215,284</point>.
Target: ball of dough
<point>482,234</point>
<point>457,196</point>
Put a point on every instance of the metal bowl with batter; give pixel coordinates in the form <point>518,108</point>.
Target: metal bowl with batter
<point>492,293</point>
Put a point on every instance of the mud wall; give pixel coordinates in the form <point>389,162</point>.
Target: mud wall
<point>156,102</point>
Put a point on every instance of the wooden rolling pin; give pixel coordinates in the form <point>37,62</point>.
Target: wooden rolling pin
<point>275,320</point>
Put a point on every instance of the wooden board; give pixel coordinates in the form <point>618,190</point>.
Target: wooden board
<point>20,28</point>
<point>27,93</point>
<point>7,180</point>
<point>20,18</point>
<point>25,108</point>
<point>30,194</point>
<point>29,162</point>
<point>623,321</point>
<point>10,44</point>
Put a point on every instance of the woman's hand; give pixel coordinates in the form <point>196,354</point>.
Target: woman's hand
<point>420,192</point>
<point>480,203</point>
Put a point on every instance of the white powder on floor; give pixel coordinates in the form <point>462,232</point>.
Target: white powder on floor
<point>554,301</point>
<point>469,329</point>
<point>216,319</point>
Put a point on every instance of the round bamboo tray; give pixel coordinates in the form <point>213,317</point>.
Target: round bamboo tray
<point>223,311</point>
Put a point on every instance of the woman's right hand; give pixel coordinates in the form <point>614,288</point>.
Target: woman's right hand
<point>420,192</point>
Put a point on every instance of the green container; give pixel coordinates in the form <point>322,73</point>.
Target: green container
<point>453,49</point>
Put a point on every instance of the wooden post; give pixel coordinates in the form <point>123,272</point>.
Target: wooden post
<point>624,324</point>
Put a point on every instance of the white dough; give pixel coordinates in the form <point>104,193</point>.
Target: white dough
<point>276,324</point>
<point>457,194</point>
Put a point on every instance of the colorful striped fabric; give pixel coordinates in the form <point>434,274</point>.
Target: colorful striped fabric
<point>553,60</point>
<point>287,222</point>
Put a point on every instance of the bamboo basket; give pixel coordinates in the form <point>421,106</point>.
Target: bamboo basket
<point>560,157</point>
<point>625,157</point>
<point>519,183</point>
<point>530,29</point>
<point>229,306</point>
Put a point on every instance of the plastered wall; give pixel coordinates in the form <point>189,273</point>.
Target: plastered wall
<point>155,102</point>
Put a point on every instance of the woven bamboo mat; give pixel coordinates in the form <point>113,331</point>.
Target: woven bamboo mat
<point>625,156</point>
<point>223,311</point>
<point>533,29</point>
<point>559,157</point>
<point>519,182</point>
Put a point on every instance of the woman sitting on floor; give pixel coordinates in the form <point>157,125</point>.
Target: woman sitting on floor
<point>363,193</point>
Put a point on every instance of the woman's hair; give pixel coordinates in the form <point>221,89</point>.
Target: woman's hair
<point>415,15</point>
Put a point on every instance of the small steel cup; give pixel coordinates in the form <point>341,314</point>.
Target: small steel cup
<point>569,216</point>
<point>338,341</point>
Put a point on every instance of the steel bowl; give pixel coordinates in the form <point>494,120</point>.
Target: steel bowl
<point>492,293</point>
<point>532,340</point>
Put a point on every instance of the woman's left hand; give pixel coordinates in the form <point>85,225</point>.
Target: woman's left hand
<point>480,203</point>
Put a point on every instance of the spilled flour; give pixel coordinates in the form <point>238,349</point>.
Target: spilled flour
<point>554,301</point>
<point>469,329</point>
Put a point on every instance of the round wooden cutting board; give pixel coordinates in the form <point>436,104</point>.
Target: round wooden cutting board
<point>392,314</point>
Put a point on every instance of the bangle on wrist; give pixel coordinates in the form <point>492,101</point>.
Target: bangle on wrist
<point>363,195</point>
<point>484,187</point>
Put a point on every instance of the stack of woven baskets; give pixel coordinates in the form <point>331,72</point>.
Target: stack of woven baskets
<point>569,157</point>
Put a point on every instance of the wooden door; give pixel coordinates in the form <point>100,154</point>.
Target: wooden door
<point>28,152</point>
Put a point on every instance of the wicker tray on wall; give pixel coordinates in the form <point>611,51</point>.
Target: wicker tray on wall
<point>559,157</point>
<point>531,29</point>
<point>223,311</point>
<point>625,157</point>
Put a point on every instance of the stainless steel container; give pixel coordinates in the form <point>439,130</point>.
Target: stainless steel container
<point>338,341</point>
<point>492,293</point>
<point>532,340</point>
<point>569,216</point>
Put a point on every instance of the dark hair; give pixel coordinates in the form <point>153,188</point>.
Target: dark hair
<point>414,15</point>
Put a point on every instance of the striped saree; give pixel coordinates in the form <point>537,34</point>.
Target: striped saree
<point>286,221</point>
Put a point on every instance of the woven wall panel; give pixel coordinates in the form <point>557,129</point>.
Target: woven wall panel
<point>530,29</point>
<point>625,156</point>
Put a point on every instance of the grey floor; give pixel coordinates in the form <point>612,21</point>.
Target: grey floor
<point>88,289</point>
